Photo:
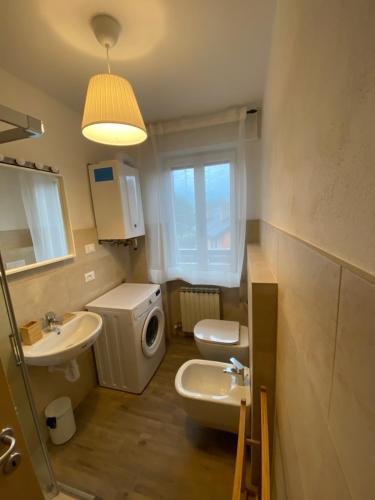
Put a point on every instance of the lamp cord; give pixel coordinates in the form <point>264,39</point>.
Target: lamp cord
<point>108,65</point>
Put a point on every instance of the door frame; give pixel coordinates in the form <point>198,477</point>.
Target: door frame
<point>16,346</point>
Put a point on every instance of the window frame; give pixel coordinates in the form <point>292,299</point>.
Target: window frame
<point>198,161</point>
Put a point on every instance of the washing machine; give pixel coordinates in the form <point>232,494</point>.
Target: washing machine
<point>132,343</point>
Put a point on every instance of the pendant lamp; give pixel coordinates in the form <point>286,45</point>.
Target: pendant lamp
<point>111,115</point>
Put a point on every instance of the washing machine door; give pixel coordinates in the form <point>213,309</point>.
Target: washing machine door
<point>153,331</point>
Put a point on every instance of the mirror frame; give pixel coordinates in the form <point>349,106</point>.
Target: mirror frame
<point>67,223</point>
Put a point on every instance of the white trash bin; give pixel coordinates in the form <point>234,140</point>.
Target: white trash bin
<point>60,420</point>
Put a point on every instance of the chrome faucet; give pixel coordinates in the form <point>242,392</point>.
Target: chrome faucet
<point>50,321</point>
<point>237,369</point>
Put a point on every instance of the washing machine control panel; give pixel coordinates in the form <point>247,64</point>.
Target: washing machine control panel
<point>146,304</point>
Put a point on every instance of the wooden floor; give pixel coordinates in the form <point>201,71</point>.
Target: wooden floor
<point>145,447</point>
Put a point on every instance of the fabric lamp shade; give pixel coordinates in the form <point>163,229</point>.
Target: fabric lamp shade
<point>112,115</point>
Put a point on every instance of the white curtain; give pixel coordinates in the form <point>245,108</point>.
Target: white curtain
<point>41,201</point>
<point>194,154</point>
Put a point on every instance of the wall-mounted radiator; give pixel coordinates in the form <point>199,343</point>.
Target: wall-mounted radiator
<point>198,303</point>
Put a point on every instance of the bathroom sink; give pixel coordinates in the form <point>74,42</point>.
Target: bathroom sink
<point>75,336</point>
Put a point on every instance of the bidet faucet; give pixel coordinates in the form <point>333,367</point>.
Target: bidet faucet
<point>237,369</point>
<point>51,320</point>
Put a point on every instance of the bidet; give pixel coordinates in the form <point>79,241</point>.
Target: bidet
<point>211,394</point>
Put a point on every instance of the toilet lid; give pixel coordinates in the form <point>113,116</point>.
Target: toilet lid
<point>216,330</point>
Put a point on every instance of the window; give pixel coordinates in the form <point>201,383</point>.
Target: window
<point>203,224</point>
<point>195,199</point>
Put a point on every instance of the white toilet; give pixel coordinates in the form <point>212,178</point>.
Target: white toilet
<point>220,340</point>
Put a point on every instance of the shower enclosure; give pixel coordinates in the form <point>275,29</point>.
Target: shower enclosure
<point>11,358</point>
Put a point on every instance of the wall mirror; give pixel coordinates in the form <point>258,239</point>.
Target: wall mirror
<point>34,224</point>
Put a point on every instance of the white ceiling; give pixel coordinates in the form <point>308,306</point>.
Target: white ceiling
<point>183,57</point>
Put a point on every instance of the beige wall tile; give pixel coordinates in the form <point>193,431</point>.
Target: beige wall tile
<point>284,424</point>
<point>262,320</point>
<point>232,304</point>
<point>308,301</point>
<point>138,263</point>
<point>263,317</point>
<point>318,185</point>
<point>252,230</point>
<point>84,237</point>
<point>352,413</point>
<point>33,297</point>
<point>269,238</point>
<point>62,288</point>
<point>278,491</point>
<point>306,443</point>
<point>342,441</point>
<point>291,464</point>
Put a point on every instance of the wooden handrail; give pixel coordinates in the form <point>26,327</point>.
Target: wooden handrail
<point>265,446</point>
<point>239,484</point>
<point>239,473</point>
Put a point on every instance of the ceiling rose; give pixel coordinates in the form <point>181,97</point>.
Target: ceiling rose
<point>143,22</point>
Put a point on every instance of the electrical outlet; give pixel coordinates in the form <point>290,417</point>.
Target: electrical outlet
<point>90,248</point>
<point>90,276</point>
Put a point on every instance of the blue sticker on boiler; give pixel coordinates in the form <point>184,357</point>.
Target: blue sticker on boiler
<point>103,174</point>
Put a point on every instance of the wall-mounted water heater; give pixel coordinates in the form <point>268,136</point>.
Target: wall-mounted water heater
<point>116,196</point>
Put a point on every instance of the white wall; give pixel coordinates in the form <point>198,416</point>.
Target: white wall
<point>62,145</point>
<point>253,160</point>
<point>12,212</point>
<point>61,287</point>
<point>319,125</point>
<point>318,202</point>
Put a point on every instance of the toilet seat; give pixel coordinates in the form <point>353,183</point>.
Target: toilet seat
<point>218,331</point>
<point>220,340</point>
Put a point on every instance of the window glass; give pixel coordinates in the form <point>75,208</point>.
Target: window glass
<point>202,214</point>
<point>218,216</point>
<point>184,209</point>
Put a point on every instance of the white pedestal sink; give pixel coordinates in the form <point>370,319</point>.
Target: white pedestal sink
<point>59,350</point>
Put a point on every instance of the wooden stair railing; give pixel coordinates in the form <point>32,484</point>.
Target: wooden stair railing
<point>240,491</point>
<point>239,485</point>
<point>265,447</point>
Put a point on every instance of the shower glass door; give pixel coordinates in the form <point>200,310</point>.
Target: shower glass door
<point>16,373</point>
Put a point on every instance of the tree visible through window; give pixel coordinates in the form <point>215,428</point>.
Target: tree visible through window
<point>184,207</point>
<point>203,214</point>
<point>217,184</point>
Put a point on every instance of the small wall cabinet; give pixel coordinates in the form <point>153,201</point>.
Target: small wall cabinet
<point>117,202</point>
